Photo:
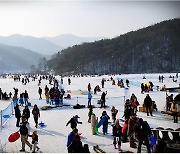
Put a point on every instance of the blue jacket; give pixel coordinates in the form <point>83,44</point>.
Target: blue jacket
<point>71,138</point>
<point>89,95</point>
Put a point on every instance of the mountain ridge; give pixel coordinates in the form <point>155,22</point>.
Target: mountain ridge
<point>39,45</point>
<point>17,59</point>
<point>151,49</point>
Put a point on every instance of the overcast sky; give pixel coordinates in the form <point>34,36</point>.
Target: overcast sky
<point>82,18</point>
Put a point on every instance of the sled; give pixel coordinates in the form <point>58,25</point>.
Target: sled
<point>42,124</point>
<point>101,122</point>
<point>124,128</point>
<point>48,107</point>
<point>29,104</point>
<point>79,106</point>
<point>6,116</point>
<point>121,120</point>
<point>97,149</point>
<point>13,137</point>
<point>96,128</point>
<point>111,123</point>
<point>126,151</point>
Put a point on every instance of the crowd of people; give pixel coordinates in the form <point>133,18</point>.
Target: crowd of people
<point>134,127</point>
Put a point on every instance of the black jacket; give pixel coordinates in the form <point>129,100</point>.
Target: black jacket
<point>117,131</point>
<point>26,113</point>
<point>23,129</point>
<point>148,101</point>
<point>17,112</point>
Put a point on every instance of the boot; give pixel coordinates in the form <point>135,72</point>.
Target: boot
<point>132,144</point>
<point>119,148</point>
<point>115,146</point>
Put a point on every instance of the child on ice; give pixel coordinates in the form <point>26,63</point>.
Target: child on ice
<point>34,141</point>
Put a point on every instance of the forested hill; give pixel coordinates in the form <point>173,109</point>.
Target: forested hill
<point>149,50</point>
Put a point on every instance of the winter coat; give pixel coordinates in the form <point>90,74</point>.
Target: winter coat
<point>17,112</point>
<point>34,138</point>
<point>36,112</point>
<point>127,111</point>
<point>24,128</point>
<point>71,138</point>
<point>117,131</point>
<point>142,130</point>
<point>26,113</point>
<point>103,96</point>
<point>131,124</point>
<point>89,95</point>
<point>106,119</point>
<point>148,101</point>
<point>47,95</point>
<point>40,91</point>
<point>73,121</point>
<point>26,95</point>
<point>174,109</point>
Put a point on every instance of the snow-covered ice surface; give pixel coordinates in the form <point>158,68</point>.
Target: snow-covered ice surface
<point>53,138</point>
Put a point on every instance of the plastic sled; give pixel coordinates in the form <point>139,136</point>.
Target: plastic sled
<point>101,121</point>
<point>96,129</point>
<point>121,120</point>
<point>42,124</point>
<point>13,137</point>
<point>6,116</point>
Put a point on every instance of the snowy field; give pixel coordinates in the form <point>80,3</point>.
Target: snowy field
<point>53,138</point>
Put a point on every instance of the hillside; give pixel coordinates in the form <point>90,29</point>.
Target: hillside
<point>152,49</point>
<point>39,45</point>
<point>16,59</point>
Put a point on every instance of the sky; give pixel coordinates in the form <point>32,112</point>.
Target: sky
<point>82,18</point>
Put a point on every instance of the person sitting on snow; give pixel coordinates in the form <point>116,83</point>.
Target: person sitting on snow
<point>74,121</point>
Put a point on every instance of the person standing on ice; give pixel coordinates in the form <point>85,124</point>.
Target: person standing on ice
<point>102,82</point>
<point>130,131</point>
<point>40,92</point>
<point>0,93</point>
<point>89,87</point>
<point>69,81</point>
<point>36,114</point>
<point>17,114</point>
<point>117,133</point>
<point>174,110</point>
<point>26,112</point>
<point>46,89</point>
<point>142,88</point>
<point>26,97</point>
<point>105,118</point>
<point>142,131</point>
<point>114,112</point>
<point>89,98</point>
<point>127,82</point>
<point>24,131</point>
<point>103,99</point>
<point>74,121</point>
<point>148,104</point>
